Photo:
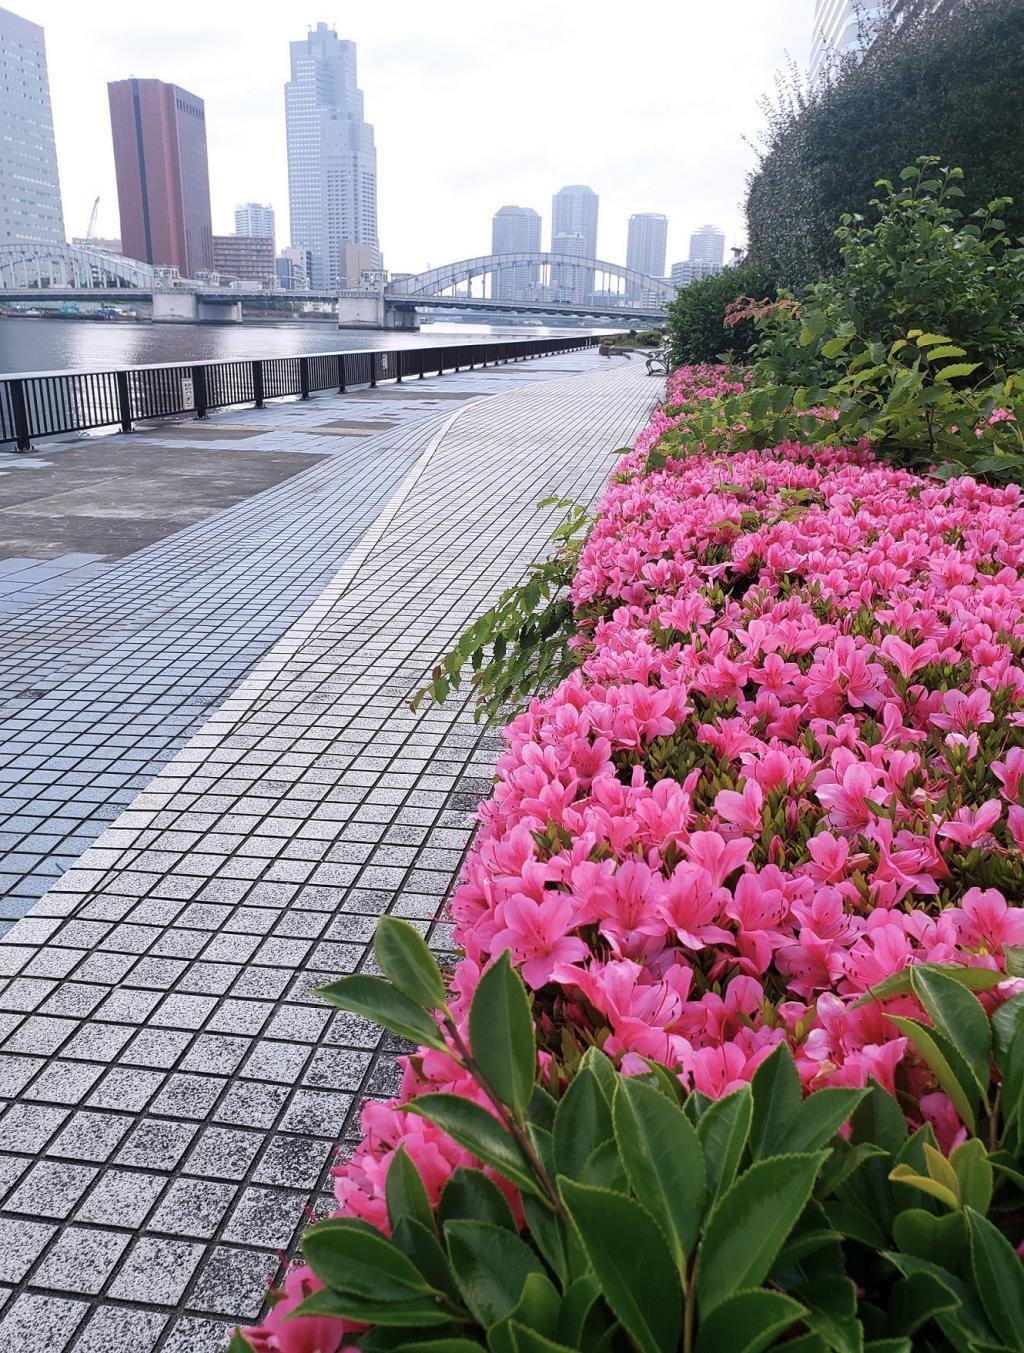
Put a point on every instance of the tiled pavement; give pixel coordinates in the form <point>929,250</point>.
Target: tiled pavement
<point>100,684</point>
<point>175,1092</point>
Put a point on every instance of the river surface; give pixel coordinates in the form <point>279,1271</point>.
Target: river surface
<point>105,345</point>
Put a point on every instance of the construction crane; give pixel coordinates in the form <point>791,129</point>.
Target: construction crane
<point>92,222</point>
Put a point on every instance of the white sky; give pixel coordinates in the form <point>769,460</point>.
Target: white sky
<point>475,105</point>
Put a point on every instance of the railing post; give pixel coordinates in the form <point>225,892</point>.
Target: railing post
<point>398,368</point>
<point>373,370</point>
<point>257,383</point>
<point>304,376</point>
<point>342,387</point>
<point>423,363</point>
<point>124,400</point>
<point>19,409</point>
<point>199,390</point>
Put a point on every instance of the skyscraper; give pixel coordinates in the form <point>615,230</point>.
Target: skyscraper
<point>163,179</point>
<point>255,220</point>
<point>332,163</point>
<point>707,246</point>
<point>515,230</point>
<point>574,219</point>
<point>646,243</point>
<point>30,206</point>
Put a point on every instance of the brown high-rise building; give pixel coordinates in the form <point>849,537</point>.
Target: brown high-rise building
<point>163,181</point>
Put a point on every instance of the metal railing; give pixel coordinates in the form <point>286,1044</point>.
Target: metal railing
<point>51,403</point>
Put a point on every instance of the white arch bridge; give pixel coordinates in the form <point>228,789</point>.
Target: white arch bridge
<point>43,267</point>
<point>562,279</point>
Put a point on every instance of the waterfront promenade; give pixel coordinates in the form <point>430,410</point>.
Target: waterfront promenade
<point>234,696</point>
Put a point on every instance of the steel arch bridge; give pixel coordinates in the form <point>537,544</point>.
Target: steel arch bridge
<point>42,266</point>
<point>559,274</point>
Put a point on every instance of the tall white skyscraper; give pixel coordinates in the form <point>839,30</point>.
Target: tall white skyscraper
<point>707,246</point>
<point>332,163</point>
<point>254,220</point>
<point>515,230</point>
<point>30,207</point>
<point>574,231</point>
<point>646,243</point>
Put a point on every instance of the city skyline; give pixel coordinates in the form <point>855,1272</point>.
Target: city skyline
<point>449,152</point>
<point>30,197</point>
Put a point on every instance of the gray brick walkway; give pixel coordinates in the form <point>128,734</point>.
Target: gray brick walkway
<point>174,1092</point>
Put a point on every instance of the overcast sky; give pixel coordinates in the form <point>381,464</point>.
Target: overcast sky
<point>475,105</point>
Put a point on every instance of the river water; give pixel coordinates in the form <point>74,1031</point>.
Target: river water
<point>105,345</point>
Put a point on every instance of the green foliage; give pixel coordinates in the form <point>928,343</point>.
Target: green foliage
<point>697,330</point>
<point>520,645</point>
<point>948,85</point>
<point>658,1222</point>
<point>878,350</point>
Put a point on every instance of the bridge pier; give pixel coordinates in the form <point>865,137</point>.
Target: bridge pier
<point>371,310</point>
<point>185,307</point>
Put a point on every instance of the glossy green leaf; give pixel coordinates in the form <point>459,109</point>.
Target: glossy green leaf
<point>239,1343</point>
<point>723,1130</point>
<point>777,1098</point>
<point>583,1122</point>
<point>973,1170</point>
<point>916,1300</point>
<point>404,958</point>
<point>405,1192</point>
<point>377,1000</point>
<point>577,1304</point>
<point>548,1234</point>
<point>748,1322</point>
<point>938,1240</point>
<point>501,1036</point>
<point>899,983</point>
<point>949,1068</point>
<point>529,1341</point>
<point>831,1303</point>
<point>353,1258</point>
<point>905,1174</point>
<point>631,1261</point>
<point>491,1266</point>
<point>819,1118</point>
<point>420,1244</point>
<point>959,1015</point>
<point>417,1314</point>
<point>470,1196</point>
<point>664,1161</point>
<point>749,1225</point>
<point>438,1346</point>
<point>479,1132</point>
<point>998,1279</point>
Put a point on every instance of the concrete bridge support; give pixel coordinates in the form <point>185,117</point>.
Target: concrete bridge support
<point>373,311</point>
<point>184,307</point>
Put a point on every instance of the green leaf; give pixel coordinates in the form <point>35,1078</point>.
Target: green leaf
<point>501,1035</point>
<point>404,958</point>
<point>777,1098</point>
<point>949,1068</point>
<point>491,1266</point>
<point>1014,956</point>
<point>946,350</point>
<point>583,1121</point>
<point>439,1346</point>
<point>529,1341</point>
<point>416,1314</point>
<point>832,1312</point>
<point>548,1234</point>
<point>748,1322</point>
<point>750,1223</point>
<point>421,1245</point>
<point>631,1261</point>
<point>723,1130</point>
<point>905,1174</point>
<point>479,1132</point>
<point>939,1240</point>
<point>973,1170</point>
<point>916,1300</point>
<point>998,1278</point>
<point>405,1191</point>
<point>879,1120</point>
<point>470,1196</point>
<point>239,1343</point>
<point>959,1015</point>
<point>577,1304</point>
<point>955,369</point>
<point>664,1162</point>
<point>927,340</point>
<point>898,983</point>
<point>377,1000</point>
<point>599,1064</point>
<point>354,1258</point>
<point>820,1117</point>
<point>835,346</point>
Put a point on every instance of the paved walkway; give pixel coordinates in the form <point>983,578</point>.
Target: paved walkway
<point>175,1092</point>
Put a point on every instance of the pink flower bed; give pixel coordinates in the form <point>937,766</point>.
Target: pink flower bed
<point>790,764</point>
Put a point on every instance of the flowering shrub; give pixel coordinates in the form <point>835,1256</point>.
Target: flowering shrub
<point>784,785</point>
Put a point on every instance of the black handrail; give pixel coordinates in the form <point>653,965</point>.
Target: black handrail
<point>54,403</point>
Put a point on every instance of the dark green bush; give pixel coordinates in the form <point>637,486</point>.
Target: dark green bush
<point>696,318</point>
<point>950,86</point>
